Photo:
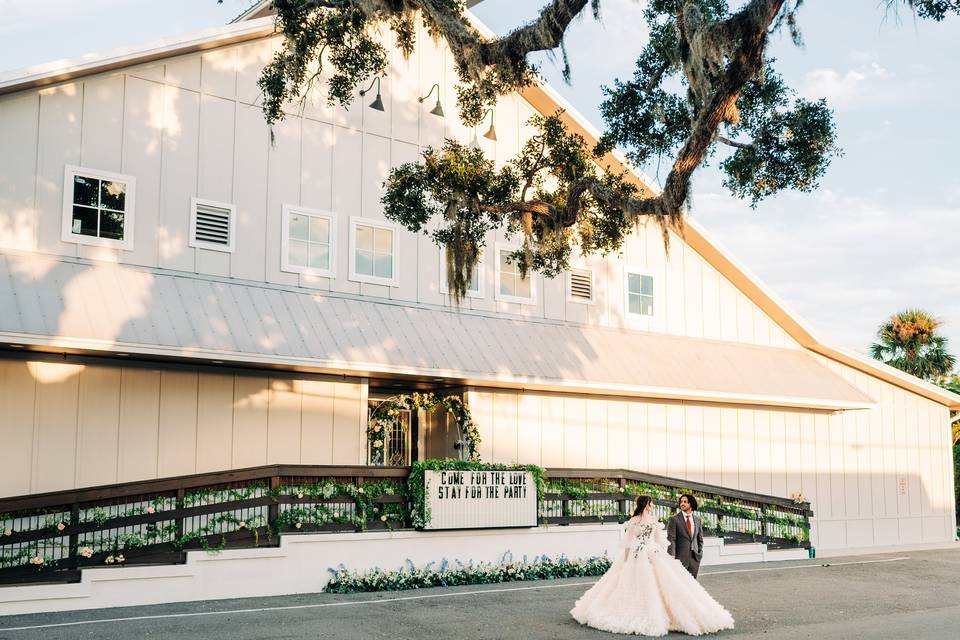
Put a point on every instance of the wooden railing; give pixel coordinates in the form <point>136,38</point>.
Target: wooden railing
<point>602,495</point>
<point>52,536</point>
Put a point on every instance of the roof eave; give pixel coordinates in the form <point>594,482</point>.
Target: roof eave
<point>71,69</point>
<point>131,352</point>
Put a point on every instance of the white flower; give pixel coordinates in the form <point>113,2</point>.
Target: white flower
<point>150,509</point>
<point>8,532</point>
<point>61,526</point>
<point>243,524</point>
<point>383,518</point>
<point>86,552</point>
<point>120,558</point>
<point>37,560</point>
<point>108,559</point>
<point>360,490</point>
<point>298,525</point>
<point>300,495</point>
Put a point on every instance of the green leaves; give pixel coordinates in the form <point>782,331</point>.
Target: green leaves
<point>909,341</point>
<point>551,194</point>
<point>451,575</point>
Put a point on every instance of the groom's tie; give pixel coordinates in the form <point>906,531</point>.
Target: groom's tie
<point>689,528</point>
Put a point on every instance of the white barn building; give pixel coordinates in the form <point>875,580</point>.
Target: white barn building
<point>178,295</point>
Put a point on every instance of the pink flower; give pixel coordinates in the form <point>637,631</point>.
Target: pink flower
<point>86,552</point>
<point>61,526</point>
<point>150,509</point>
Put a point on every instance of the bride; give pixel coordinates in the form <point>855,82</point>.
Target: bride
<point>646,591</point>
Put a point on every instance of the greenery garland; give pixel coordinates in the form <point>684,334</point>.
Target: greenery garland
<point>387,416</point>
<point>451,575</point>
<point>420,514</point>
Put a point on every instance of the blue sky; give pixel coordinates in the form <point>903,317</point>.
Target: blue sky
<point>878,236</point>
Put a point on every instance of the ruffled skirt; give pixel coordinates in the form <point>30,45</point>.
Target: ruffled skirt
<point>650,595</point>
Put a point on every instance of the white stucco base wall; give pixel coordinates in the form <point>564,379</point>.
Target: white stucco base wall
<point>300,565</point>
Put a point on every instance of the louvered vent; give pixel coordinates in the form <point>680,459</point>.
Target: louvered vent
<point>581,285</point>
<point>212,225</point>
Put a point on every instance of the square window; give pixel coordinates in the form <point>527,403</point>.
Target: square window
<point>511,287</point>
<point>309,239</point>
<point>640,297</point>
<point>373,250</point>
<point>97,208</point>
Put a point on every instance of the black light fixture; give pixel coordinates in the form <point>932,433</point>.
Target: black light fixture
<point>378,101</point>
<point>438,108</point>
<point>491,133</point>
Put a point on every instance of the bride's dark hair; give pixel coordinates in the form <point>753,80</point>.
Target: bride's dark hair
<point>642,502</point>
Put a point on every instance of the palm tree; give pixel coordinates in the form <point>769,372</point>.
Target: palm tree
<point>909,341</point>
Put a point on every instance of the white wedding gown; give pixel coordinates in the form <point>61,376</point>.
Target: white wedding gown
<point>649,593</point>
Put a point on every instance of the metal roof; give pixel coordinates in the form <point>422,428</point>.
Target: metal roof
<point>66,304</point>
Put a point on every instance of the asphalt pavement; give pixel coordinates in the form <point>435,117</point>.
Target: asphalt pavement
<point>913,595</point>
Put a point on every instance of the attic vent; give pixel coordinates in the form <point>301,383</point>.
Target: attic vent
<point>581,285</point>
<point>211,225</point>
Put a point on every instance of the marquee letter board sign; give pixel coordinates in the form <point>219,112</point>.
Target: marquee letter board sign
<point>480,499</point>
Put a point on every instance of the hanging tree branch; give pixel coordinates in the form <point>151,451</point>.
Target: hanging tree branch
<point>552,193</point>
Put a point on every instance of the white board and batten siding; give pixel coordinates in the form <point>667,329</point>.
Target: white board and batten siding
<point>191,127</point>
<point>874,477</point>
<point>68,425</point>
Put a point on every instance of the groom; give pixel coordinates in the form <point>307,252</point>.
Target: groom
<point>685,535</point>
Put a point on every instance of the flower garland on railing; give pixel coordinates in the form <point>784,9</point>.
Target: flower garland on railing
<point>387,416</point>
<point>451,575</point>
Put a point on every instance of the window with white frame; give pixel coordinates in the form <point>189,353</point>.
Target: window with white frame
<point>309,241</point>
<point>373,252</point>
<point>640,298</point>
<point>98,208</point>
<point>474,287</point>
<point>511,286</point>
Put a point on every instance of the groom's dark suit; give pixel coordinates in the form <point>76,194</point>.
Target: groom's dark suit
<point>686,548</point>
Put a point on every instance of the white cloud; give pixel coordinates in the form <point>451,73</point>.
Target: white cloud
<point>846,263</point>
<point>850,88</point>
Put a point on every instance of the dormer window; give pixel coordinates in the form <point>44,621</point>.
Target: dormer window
<point>98,208</point>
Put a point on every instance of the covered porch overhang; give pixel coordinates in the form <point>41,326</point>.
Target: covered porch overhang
<point>77,309</point>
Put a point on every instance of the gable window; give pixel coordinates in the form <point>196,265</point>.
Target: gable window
<point>511,287</point>
<point>474,287</point>
<point>640,296</point>
<point>212,225</point>
<point>308,241</point>
<point>373,252</point>
<point>580,286</point>
<point>98,208</point>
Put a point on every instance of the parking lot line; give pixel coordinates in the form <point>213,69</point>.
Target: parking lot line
<point>428,596</point>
